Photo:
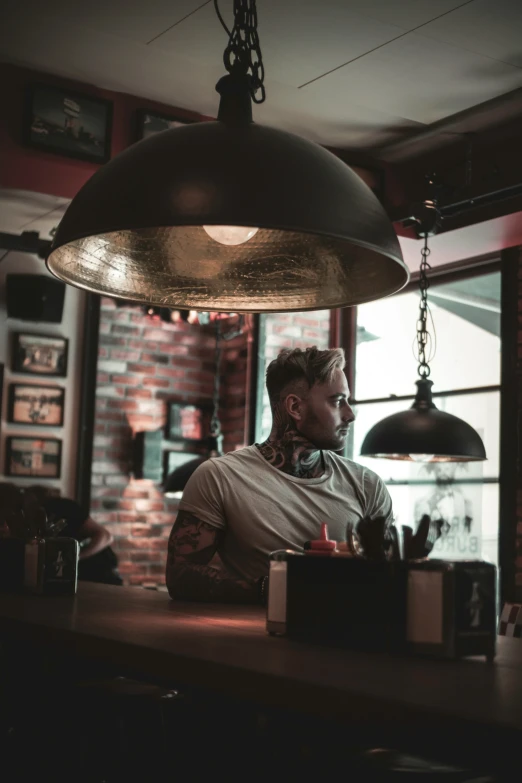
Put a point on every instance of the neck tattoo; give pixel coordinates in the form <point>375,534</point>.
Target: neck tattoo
<point>289,451</point>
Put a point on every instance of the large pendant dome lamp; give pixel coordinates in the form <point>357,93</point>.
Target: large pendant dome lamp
<point>423,433</point>
<point>229,215</point>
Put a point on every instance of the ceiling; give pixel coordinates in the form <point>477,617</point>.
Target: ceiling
<point>476,299</point>
<point>346,73</point>
<point>25,210</point>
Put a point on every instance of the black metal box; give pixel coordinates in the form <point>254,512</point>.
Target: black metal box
<point>452,608</point>
<point>355,602</point>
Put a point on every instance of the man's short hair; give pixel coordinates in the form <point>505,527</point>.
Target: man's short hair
<point>296,368</point>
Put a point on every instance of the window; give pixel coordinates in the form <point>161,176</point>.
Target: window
<point>466,370</point>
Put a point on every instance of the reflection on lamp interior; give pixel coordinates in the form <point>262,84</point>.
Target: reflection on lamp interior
<point>231,235</point>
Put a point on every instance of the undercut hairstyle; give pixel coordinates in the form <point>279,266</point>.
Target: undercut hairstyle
<point>297,370</point>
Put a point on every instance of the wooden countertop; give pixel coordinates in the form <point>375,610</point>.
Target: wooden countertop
<point>468,704</point>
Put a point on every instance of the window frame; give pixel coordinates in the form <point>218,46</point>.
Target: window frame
<point>344,332</point>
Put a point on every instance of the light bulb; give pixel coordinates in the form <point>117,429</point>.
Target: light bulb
<point>421,457</point>
<point>231,235</point>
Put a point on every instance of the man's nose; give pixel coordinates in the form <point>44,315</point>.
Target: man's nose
<point>348,414</point>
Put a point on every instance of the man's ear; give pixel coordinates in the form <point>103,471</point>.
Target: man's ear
<point>294,407</point>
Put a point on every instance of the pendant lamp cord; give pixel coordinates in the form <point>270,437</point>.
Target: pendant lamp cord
<point>215,424</point>
<point>423,337</point>
<point>243,51</point>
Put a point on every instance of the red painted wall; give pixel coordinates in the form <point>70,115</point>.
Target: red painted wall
<point>31,169</point>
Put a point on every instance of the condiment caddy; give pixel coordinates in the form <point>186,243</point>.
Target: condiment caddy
<point>370,593</point>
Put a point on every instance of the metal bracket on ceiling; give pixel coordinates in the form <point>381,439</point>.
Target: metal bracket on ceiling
<point>426,219</point>
<point>26,242</point>
<point>425,216</point>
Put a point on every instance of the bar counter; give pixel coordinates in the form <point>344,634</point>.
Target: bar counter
<point>468,710</point>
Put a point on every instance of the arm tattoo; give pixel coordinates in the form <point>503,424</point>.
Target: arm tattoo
<point>192,544</point>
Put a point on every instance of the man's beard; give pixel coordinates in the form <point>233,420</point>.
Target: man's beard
<point>312,429</point>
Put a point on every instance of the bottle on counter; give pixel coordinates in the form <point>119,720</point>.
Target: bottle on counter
<point>322,545</point>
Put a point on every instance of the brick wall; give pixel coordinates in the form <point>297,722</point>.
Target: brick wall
<point>233,385</point>
<point>515,592</point>
<point>142,363</point>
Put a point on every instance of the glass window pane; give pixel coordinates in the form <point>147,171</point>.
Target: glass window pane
<point>466,326</point>
<point>481,411</point>
<point>469,513</point>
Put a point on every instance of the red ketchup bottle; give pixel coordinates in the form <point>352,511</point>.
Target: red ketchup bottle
<point>322,545</point>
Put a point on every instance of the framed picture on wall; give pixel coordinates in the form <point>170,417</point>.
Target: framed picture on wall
<point>39,354</point>
<point>40,406</point>
<point>150,122</point>
<point>68,123</point>
<point>38,457</point>
<point>186,422</point>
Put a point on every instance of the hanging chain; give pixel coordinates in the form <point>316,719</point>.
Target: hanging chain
<point>215,424</point>
<point>243,51</point>
<point>423,337</point>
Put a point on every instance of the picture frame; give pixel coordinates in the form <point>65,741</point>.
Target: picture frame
<point>186,422</point>
<point>149,122</point>
<point>39,354</point>
<point>36,405</point>
<point>35,457</point>
<point>66,122</point>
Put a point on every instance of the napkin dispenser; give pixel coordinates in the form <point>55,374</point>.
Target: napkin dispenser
<point>433,607</point>
<point>51,566</point>
<point>47,566</point>
<point>452,608</point>
<point>350,601</point>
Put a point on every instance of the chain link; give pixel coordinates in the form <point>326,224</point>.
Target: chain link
<point>243,51</point>
<point>423,337</point>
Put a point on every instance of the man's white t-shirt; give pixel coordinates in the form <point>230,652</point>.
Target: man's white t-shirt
<point>261,509</point>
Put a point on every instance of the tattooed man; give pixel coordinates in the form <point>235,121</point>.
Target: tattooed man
<point>275,494</point>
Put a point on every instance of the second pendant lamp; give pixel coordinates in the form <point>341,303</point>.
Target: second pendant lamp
<point>230,215</point>
<point>424,433</point>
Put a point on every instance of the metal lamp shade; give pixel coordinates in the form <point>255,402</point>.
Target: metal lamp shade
<point>424,430</point>
<point>135,230</point>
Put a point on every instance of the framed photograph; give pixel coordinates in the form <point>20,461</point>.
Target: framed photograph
<point>151,122</point>
<point>33,457</point>
<point>39,354</point>
<point>68,123</point>
<point>40,406</point>
<point>186,422</point>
